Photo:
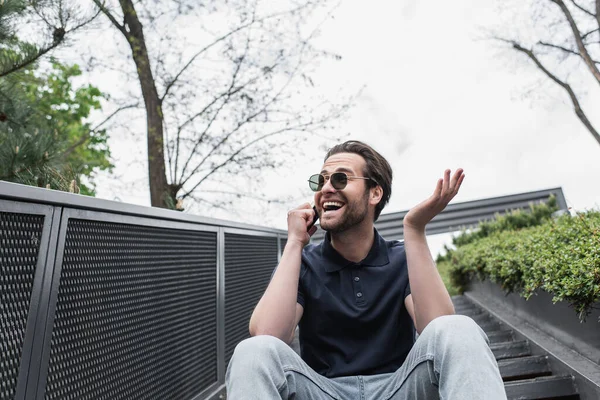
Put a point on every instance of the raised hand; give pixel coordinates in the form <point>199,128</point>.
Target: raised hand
<point>445,190</point>
<point>299,219</point>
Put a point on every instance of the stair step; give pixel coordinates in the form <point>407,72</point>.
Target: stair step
<point>465,307</point>
<point>510,349</point>
<point>491,325</point>
<point>547,387</point>
<point>524,367</point>
<point>501,336</point>
<point>481,317</point>
<point>460,299</point>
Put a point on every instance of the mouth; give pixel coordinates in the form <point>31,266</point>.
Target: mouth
<point>331,208</point>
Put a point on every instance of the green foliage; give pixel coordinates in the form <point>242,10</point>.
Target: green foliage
<point>45,139</point>
<point>511,221</point>
<point>13,52</point>
<point>560,256</point>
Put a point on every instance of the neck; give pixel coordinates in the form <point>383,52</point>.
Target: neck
<point>355,243</point>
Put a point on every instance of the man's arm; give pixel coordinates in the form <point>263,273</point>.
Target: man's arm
<point>278,313</point>
<point>429,298</point>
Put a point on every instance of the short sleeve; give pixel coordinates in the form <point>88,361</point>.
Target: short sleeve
<point>406,289</point>
<point>300,298</point>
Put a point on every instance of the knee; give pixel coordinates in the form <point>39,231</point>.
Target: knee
<point>257,350</point>
<point>456,330</point>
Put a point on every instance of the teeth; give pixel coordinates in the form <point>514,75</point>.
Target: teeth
<point>332,204</point>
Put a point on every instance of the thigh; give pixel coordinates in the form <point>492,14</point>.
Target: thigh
<point>415,379</point>
<point>302,383</point>
<point>417,385</point>
<point>264,367</point>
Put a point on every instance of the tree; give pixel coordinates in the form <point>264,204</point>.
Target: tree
<point>47,140</point>
<point>44,140</point>
<point>567,40</point>
<point>222,109</point>
<point>51,20</point>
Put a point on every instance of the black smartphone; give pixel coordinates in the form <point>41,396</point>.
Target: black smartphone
<point>315,218</point>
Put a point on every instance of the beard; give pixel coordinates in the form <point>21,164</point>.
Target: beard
<point>354,213</point>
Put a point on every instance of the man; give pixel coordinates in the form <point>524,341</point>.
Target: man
<point>356,311</point>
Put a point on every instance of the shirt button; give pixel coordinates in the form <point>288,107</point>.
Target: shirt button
<point>359,294</point>
<point>356,279</point>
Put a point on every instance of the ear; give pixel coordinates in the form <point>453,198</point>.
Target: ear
<point>375,195</point>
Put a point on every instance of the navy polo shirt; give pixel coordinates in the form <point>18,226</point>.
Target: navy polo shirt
<point>354,320</point>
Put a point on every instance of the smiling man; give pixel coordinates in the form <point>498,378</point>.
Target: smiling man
<point>358,300</point>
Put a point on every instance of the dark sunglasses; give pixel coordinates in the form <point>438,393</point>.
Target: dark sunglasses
<point>339,180</point>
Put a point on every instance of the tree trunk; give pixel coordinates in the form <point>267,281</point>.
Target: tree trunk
<point>159,188</point>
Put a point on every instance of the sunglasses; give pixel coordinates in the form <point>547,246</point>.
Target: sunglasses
<point>339,180</point>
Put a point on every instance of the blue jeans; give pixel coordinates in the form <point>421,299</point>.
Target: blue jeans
<point>450,360</point>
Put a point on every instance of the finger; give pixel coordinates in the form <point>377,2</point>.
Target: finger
<point>438,189</point>
<point>300,207</point>
<point>455,178</point>
<point>306,214</point>
<point>460,180</point>
<point>446,183</point>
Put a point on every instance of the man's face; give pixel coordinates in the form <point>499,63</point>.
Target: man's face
<point>353,199</point>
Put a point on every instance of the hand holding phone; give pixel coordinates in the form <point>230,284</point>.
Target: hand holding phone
<point>315,219</point>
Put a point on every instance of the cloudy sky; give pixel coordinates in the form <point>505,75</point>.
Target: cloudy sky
<point>437,94</point>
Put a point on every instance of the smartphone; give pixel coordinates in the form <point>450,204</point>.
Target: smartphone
<point>315,219</point>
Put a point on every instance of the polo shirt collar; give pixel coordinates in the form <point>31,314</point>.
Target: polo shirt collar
<point>334,261</point>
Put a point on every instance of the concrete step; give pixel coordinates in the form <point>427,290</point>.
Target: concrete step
<point>524,367</point>
<point>492,325</point>
<point>547,387</point>
<point>500,336</point>
<point>510,349</point>
<point>467,309</point>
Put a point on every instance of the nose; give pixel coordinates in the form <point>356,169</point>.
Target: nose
<point>328,187</point>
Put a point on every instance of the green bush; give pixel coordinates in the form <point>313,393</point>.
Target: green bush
<point>560,256</point>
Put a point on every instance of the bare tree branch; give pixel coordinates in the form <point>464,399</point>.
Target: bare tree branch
<point>577,36</point>
<point>118,110</point>
<point>598,13</point>
<point>220,39</point>
<point>588,12</point>
<point>212,204</point>
<point>111,17</point>
<point>555,46</point>
<point>230,92</point>
<point>225,96</point>
<point>242,148</point>
<point>251,117</point>
<point>582,117</point>
<point>245,195</point>
<point>589,33</point>
<point>195,56</point>
<point>86,137</point>
<point>85,22</point>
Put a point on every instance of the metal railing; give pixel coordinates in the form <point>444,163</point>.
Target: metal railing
<point>101,299</point>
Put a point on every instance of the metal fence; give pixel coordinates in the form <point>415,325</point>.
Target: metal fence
<point>104,300</point>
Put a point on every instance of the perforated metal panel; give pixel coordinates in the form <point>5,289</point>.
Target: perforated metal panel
<point>249,263</point>
<point>282,242</point>
<point>135,313</point>
<point>20,239</point>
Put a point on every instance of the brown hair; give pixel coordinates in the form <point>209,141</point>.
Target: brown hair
<point>377,168</point>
